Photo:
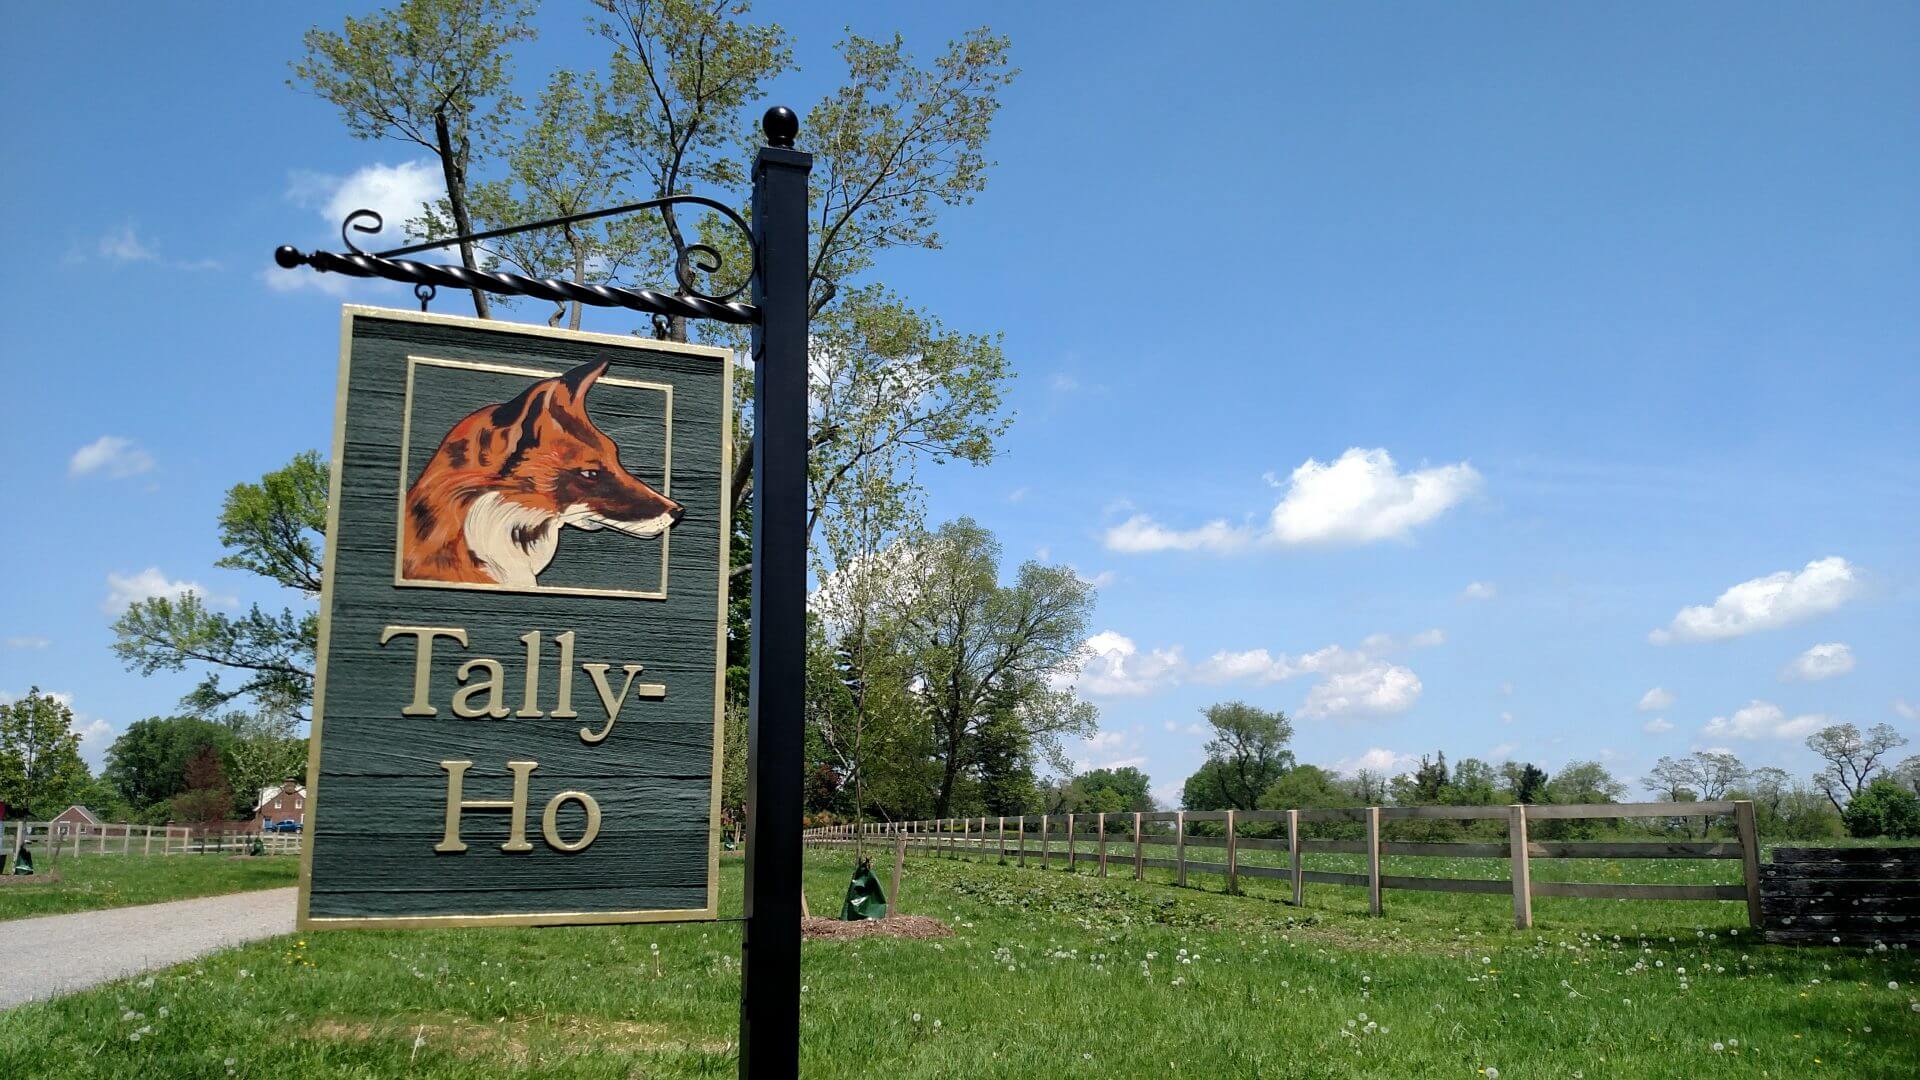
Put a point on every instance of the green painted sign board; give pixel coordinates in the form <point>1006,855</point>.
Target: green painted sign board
<point>522,629</point>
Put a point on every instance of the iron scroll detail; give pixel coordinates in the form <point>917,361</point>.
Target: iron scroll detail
<point>694,304</point>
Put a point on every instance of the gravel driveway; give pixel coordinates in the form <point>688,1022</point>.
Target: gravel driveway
<point>58,954</point>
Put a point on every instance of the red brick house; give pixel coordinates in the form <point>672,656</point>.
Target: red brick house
<point>285,802</point>
<point>72,818</point>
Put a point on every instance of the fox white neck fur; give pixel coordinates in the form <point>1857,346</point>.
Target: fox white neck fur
<point>515,543</point>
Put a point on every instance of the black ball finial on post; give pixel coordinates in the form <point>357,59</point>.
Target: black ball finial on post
<point>781,125</point>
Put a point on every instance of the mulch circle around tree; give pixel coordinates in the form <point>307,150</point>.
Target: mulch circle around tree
<point>30,879</point>
<point>893,926</point>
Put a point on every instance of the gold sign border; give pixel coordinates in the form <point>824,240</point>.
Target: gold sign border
<point>304,920</point>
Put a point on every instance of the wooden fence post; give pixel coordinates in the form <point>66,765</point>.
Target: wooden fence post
<point>1073,847</point>
<point>1003,839</point>
<point>1233,870</point>
<point>126,837</point>
<point>1180,847</point>
<point>966,835</point>
<point>1020,856</point>
<point>76,840</point>
<point>103,838</point>
<point>1045,853</point>
<point>1749,859</point>
<point>1293,855</point>
<point>1101,824</point>
<point>1522,873</point>
<point>147,848</point>
<point>1138,854</point>
<point>899,865</point>
<point>1373,859</point>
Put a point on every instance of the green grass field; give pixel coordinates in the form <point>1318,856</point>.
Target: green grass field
<point>1046,975</point>
<point>92,881</point>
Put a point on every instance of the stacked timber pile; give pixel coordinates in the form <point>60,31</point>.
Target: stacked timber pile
<point>1842,896</point>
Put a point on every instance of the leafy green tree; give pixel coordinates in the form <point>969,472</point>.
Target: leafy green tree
<point>1306,787</point>
<point>207,795</point>
<point>1474,783</point>
<point>274,528</point>
<point>1585,782</point>
<point>681,74</point>
<point>1785,810</point>
<point>1527,781</point>
<point>1883,808</point>
<point>979,652</point>
<point>1247,753</point>
<point>1123,790</point>
<point>265,751</point>
<point>561,162</point>
<point>1424,786</point>
<point>147,764</point>
<point>428,72</point>
<point>1908,773</point>
<point>40,767</point>
<point>1852,758</point>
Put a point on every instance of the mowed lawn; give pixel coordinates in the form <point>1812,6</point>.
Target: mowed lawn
<point>1046,975</point>
<point>90,881</point>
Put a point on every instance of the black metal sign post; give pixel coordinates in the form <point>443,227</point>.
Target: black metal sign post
<point>770,950</point>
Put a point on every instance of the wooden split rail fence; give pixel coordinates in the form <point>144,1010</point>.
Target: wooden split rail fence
<point>129,839</point>
<point>1124,839</point>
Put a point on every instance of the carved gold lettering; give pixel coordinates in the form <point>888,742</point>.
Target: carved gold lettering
<point>612,701</point>
<point>496,706</point>
<point>422,661</point>
<point>563,708</point>
<point>530,701</point>
<point>549,824</point>
<point>517,805</point>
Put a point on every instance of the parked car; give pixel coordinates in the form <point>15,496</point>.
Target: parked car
<point>289,825</point>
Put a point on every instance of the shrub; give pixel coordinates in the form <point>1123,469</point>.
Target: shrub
<point>1884,809</point>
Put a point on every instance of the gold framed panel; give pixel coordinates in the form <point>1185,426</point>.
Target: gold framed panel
<point>303,918</point>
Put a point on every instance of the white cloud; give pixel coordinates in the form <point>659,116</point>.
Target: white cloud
<point>1141,533</point>
<point>1905,709</point>
<point>1655,699</point>
<point>1380,689</point>
<point>398,193</point>
<point>28,641</point>
<point>123,245</point>
<point>1478,590</point>
<point>1502,752</point>
<point>1109,750</point>
<point>1765,602</point>
<point>1062,383</point>
<point>112,454</point>
<point>1117,668</point>
<point>1659,725</point>
<point>1762,720</point>
<point>1506,718</point>
<point>125,590</point>
<point>1377,759</point>
<point>1823,661</point>
<point>1355,682</point>
<point>1359,498</point>
<point>1197,730</point>
<point>1099,581</point>
<point>1019,494</point>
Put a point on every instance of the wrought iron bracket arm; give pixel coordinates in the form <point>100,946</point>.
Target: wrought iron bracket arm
<point>693,304</point>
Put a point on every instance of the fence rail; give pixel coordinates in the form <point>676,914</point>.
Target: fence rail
<point>127,838</point>
<point>1124,838</point>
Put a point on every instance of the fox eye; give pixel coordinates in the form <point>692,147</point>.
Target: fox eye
<point>589,474</point>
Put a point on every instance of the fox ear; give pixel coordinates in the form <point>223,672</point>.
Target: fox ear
<point>581,379</point>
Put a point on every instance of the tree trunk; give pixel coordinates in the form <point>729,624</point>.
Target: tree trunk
<point>453,170</point>
<point>579,274</point>
<point>949,774</point>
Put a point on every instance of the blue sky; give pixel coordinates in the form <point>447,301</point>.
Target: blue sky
<point>1461,360</point>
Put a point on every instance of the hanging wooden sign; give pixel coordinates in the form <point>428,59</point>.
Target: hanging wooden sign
<point>522,629</point>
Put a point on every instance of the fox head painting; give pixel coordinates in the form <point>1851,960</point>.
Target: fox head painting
<point>493,501</point>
